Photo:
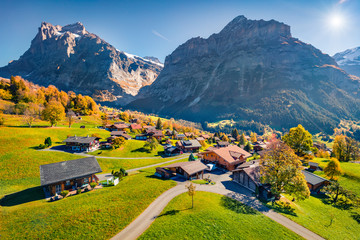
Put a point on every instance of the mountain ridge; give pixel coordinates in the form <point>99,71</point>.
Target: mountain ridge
<point>71,58</point>
<point>252,70</point>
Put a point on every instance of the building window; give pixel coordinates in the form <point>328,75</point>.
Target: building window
<point>86,180</point>
<point>67,183</point>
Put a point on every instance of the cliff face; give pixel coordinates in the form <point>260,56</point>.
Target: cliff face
<point>252,70</point>
<point>73,59</point>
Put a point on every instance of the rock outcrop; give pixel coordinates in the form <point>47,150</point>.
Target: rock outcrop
<point>253,70</point>
<point>73,59</point>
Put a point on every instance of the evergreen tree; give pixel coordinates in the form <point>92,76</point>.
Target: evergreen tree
<point>242,140</point>
<point>235,134</point>
<point>159,124</point>
<point>248,147</point>
<point>191,157</point>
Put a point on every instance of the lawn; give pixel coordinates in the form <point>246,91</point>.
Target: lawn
<point>325,220</point>
<point>351,177</point>
<point>20,161</point>
<point>131,149</point>
<point>98,214</point>
<point>213,217</point>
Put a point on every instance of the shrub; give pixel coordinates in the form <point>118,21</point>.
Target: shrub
<point>64,193</point>
<point>42,146</point>
<point>323,154</point>
<point>48,141</point>
<point>78,191</point>
<point>93,185</point>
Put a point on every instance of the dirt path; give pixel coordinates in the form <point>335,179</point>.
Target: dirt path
<point>225,187</point>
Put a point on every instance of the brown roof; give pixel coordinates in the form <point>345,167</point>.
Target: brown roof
<point>231,153</point>
<point>120,125</point>
<point>223,143</point>
<point>247,164</point>
<point>189,167</point>
<point>135,126</point>
<point>206,136</point>
<point>117,133</point>
<point>253,173</point>
<point>200,139</point>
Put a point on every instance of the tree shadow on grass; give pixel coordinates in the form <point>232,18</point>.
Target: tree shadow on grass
<point>25,196</point>
<point>237,206</point>
<point>144,150</point>
<point>171,212</point>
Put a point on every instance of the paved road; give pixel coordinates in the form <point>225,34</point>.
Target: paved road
<point>223,186</point>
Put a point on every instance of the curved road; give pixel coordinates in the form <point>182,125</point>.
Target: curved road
<point>223,186</point>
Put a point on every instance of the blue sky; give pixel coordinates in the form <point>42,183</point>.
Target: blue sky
<point>156,28</point>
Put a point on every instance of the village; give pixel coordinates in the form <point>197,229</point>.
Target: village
<point>142,161</point>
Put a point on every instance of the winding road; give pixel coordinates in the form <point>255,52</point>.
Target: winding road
<point>223,186</point>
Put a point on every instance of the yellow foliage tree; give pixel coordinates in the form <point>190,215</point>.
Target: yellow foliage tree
<point>333,169</point>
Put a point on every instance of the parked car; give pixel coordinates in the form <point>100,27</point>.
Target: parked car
<point>211,167</point>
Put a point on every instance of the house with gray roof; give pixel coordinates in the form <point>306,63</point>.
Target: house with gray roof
<point>67,175</point>
<point>314,182</point>
<point>82,144</point>
<point>188,170</point>
<point>188,145</point>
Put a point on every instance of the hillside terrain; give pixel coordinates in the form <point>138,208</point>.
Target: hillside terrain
<point>253,70</point>
<point>73,59</point>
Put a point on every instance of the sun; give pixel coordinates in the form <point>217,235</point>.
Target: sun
<point>336,21</point>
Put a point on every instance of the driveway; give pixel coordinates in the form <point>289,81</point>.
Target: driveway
<point>223,186</point>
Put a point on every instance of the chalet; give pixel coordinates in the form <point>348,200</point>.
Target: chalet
<point>172,151</point>
<point>87,144</point>
<point>216,139</point>
<point>168,132</point>
<point>133,120</point>
<point>248,176</point>
<point>200,139</point>
<point>120,134</point>
<point>141,137</point>
<point>188,145</point>
<point>259,146</point>
<point>148,127</point>
<point>314,182</point>
<point>135,126</point>
<point>221,144</point>
<point>117,127</point>
<point>206,136</point>
<point>155,133</point>
<point>188,170</point>
<point>189,134</point>
<point>232,139</point>
<point>314,166</point>
<point>68,175</point>
<point>180,136</point>
<point>227,157</point>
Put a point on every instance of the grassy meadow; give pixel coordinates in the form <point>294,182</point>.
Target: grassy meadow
<point>98,214</point>
<point>20,160</point>
<point>213,217</point>
<point>131,149</point>
<point>324,219</point>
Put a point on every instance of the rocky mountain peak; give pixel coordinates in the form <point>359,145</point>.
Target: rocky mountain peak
<point>241,27</point>
<point>73,59</point>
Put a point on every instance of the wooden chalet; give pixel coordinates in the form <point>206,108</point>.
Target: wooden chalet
<point>188,170</point>
<point>82,144</point>
<point>221,144</point>
<point>188,145</point>
<point>117,127</point>
<point>68,175</point>
<point>314,182</point>
<point>172,151</point>
<point>248,176</point>
<point>135,126</point>
<point>180,136</point>
<point>226,157</point>
<point>120,134</point>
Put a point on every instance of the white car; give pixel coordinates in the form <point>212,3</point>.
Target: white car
<point>211,167</point>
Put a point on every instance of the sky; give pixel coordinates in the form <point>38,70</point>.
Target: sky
<point>157,28</point>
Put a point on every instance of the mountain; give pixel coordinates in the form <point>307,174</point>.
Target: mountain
<point>73,59</point>
<point>153,59</point>
<point>253,70</point>
<point>349,60</point>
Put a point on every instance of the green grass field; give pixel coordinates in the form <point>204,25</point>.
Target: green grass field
<point>213,217</point>
<point>351,177</point>
<point>98,214</point>
<point>131,149</point>
<point>324,219</point>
